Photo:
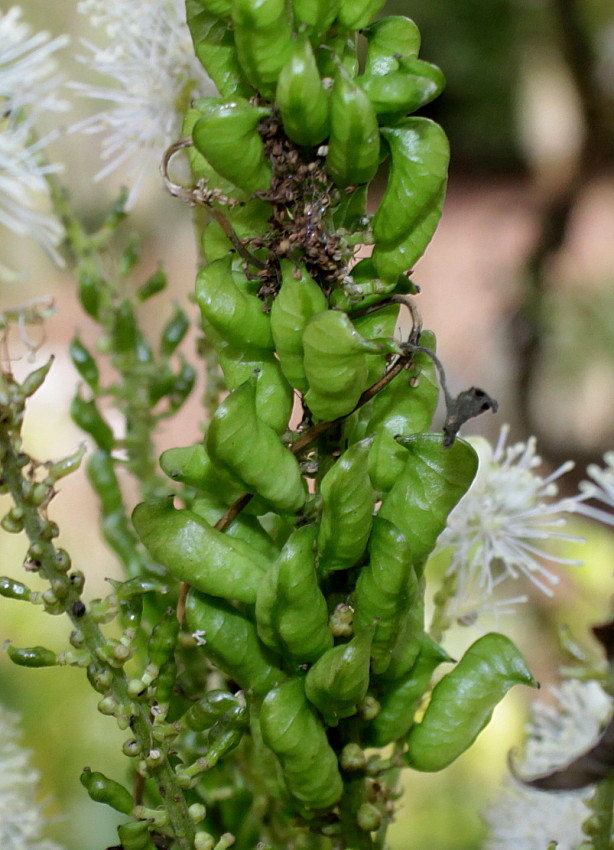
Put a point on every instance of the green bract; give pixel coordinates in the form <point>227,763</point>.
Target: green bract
<point>302,101</point>
<point>463,701</point>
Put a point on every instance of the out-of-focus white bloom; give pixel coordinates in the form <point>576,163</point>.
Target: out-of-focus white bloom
<point>29,87</point>
<point>525,819</point>
<point>500,527</point>
<point>21,819</point>
<point>150,60</point>
<point>600,488</point>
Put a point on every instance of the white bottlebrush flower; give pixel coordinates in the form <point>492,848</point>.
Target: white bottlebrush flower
<point>600,488</point>
<point>21,819</point>
<point>150,64</point>
<point>526,819</point>
<point>29,87</point>
<point>501,528</point>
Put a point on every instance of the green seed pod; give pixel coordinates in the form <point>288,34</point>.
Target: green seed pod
<point>192,465</point>
<point>32,656</point>
<point>353,146</point>
<point>420,154</point>
<point>302,101</point>
<point>12,589</point>
<point>239,441</point>
<point>124,334</point>
<point>340,47</point>
<point>226,134</point>
<point>212,707</point>
<point>134,835</point>
<point>263,38</point>
<point>91,292</point>
<point>348,500</point>
<point>182,385</point>
<point>243,527</point>
<point>35,379</point>
<point>339,680</point>
<point>225,735</point>
<point>194,552</point>
<point>389,38</point>
<point>335,364</point>
<point>86,415</point>
<point>385,589</point>
<point>165,685</point>
<point>230,641</point>
<point>121,539</point>
<point>463,701</point>
<point>104,790</point>
<point>292,730</point>
<point>392,259</point>
<point>65,466</point>
<point>235,314</point>
<point>298,300</point>
<point>291,611</point>
<point>356,14</point>
<point>174,331</point>
<point>445,474</point>
<point>399,700</point>
<point>163,638</point>
<point>317,16</point>
<point>378,328</point>
<point>154,284</point>
<point>84,363</point>
<point>218,8</point>
<point>410,637</point>
<point>100,470</point>
<point>214,46</point>
<point>406,88</point>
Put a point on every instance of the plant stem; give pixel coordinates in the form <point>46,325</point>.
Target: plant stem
<point>603,806</point>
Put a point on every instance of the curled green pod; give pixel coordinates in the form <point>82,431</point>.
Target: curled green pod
<point>419,157</point>
<point>263,38</point>
<point>292,730</point>
<point>388,38</point>
<point>230,641</point>
<point>86,415</point>
<point>316,16</point>
<point>12,589</point>
<point>65,466</point>
<point>214,46</point>
<point>348,500</point>
<point>291,611</point>
<point>35,379</point>
<point>163,638</point>
<point>302,101</point>
<point>100,470</point>
<point>84,363</point>
<point>462,702</point>
<point>31,656</point>
<point>212,707</point>
<point>240,442</point>
<point>226,134</point>
<point>155,283</point>
<point>244,527</point>
<point>379,329</point>
<point>385,590</point>
<point>218,8</point>
<point>196,553</point>
<point>339,679</point>
<point>135,835</point>
<point>406,88</point>
<point>235,314</point>
<point>173,332</point>
<point>394,258</point>
<point>105,790</point>
<point>225,735</point>
<point>299,299</point>
<point>335,363</point>
<point>400,699</point>
<point>192,465</point>
<point>431,483</point>
<point>353,145</point>
<point>410,636</point>
<point>356,14</point>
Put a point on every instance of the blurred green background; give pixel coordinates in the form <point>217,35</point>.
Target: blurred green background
<point>518,286</point>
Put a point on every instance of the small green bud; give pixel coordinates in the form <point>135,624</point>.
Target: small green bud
<point>64,467</point>
<point>369,817</point>
<point>131,748</point>
<point>197,812</point>
<point>62,560</point>
<point>369,708</point>
<point>35,379</point>
<point>50,530</point>
<point>352,758</point>
<point>77,580</point>
<point>13,521</point>
<point>14,589</point>
<point>108,705</point>
<point>40,494</point>
<point>204,841</point>
<point>341,620</point>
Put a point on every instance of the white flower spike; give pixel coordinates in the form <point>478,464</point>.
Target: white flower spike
<point>149,61</point>
<point>21,820</point>
<point>525,819</point>
<point>600,488</point>
<point>501,528</point>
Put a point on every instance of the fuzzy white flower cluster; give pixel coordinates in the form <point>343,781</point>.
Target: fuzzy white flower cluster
<point>502,527</point>
<point>29,87</point>
<point>525,819</point>
<point>21,820</point>
<point>600,488</point>
<point>149,60</point>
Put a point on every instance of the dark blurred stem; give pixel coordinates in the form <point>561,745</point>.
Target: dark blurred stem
<point>529,325</point>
